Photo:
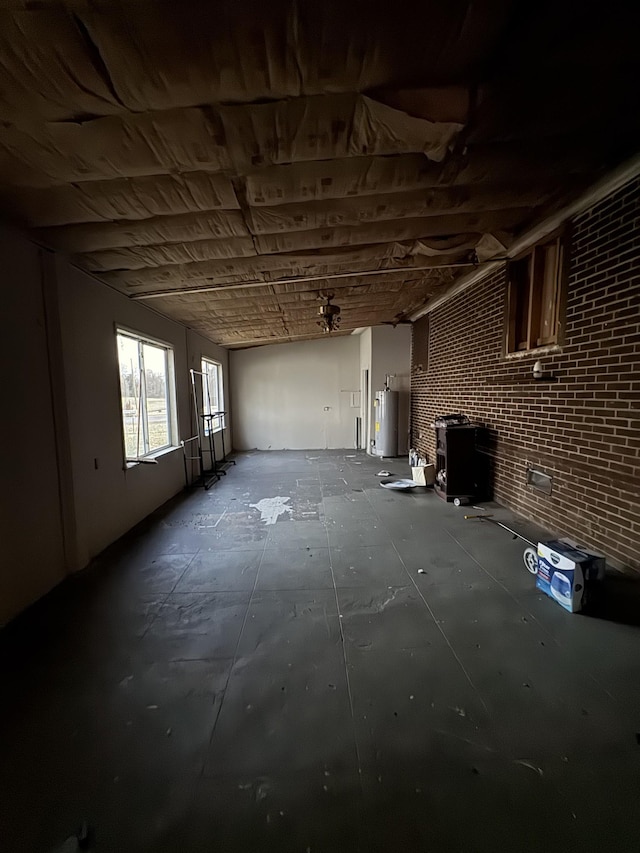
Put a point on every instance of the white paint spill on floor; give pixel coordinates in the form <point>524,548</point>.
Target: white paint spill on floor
<point>272,508</point>
<point>387,600</point>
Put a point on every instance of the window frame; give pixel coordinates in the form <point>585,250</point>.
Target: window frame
<point>169,363</point>
<point>420,353</point>
<point>204,362</point>
<point>535,258</point>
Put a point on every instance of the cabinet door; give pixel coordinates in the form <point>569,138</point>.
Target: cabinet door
<point>460,461</point>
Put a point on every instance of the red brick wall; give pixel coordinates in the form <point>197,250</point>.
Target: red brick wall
<point>584,429</point>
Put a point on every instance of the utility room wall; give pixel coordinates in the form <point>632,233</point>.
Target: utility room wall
<point>296,396</point>
<point>583,429</point>
<point>391,354</point>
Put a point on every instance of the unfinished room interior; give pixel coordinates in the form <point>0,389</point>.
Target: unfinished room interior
<point>321,420</point>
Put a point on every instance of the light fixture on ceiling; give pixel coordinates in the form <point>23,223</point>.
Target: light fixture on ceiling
<point>329,314</point>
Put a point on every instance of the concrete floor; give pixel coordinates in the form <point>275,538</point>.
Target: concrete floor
<point>217,683</point>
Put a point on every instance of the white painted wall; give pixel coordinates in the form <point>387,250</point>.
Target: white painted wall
<point>66,491</point>
<point>279,394</point>
<point>365,386</point>
<point>110,499</point>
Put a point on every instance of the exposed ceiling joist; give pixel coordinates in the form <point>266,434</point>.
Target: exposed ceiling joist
<point>404,271</point>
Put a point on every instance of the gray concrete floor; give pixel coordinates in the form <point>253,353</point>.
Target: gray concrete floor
<point>216,683</point>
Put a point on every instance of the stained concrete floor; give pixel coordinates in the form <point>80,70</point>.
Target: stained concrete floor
<point>217,683</point>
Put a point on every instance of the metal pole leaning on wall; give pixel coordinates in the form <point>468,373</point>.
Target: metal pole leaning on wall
<point>186,458</point>
<point>208,476</point>
<point>221,415</point>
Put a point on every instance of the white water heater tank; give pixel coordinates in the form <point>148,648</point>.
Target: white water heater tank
<point>386,422</point>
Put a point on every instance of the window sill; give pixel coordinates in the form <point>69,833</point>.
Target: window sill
<point>533,353</point>
<point>151,458</point>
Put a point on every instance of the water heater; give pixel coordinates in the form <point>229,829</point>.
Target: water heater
<point>386,422</point>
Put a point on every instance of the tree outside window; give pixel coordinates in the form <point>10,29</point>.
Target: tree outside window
<point>145,395</point>
<point>212,395</point>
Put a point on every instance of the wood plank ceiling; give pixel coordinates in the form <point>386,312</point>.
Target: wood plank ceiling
<point>229,163</point>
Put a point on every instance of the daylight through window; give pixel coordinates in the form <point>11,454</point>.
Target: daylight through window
<point>212,397</point>
<point>536,297</point>
<point>145,392</point>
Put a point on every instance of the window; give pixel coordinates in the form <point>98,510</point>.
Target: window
<point>212,396</point>
<point>147,394</point>
<point>420,345</point>
<point>536,293</point>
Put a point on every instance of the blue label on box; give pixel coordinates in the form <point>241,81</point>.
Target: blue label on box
<point>564,573</point>
<point>560,585</point>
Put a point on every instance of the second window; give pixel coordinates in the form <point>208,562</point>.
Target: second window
<point>212,395</point>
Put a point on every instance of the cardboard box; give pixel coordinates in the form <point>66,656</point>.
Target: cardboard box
<point>569,574</point>
<point>424,475</point>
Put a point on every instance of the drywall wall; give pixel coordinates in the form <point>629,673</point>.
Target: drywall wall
<point>32,558</point>
<point>365,387</point>
<point>62,453</point>
<point>109,497</point>
<point>387,350</point>
<point>296,396</point>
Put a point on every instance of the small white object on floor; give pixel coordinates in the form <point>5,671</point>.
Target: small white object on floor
<point>399,484</point>
<point>383,474</point>
<point>421,572</point>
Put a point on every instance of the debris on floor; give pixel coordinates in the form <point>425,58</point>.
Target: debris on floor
<point>383,474</point>
<point>424,475</point>
<point>526,763</point>
<point>314,611</point>
<point>271,509</point>
<point>81,840</point>
<point>399,484</point>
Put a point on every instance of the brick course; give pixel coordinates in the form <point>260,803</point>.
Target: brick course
<point>584,429</point>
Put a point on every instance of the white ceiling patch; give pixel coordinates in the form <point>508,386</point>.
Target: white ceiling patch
<point>272,508</point>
